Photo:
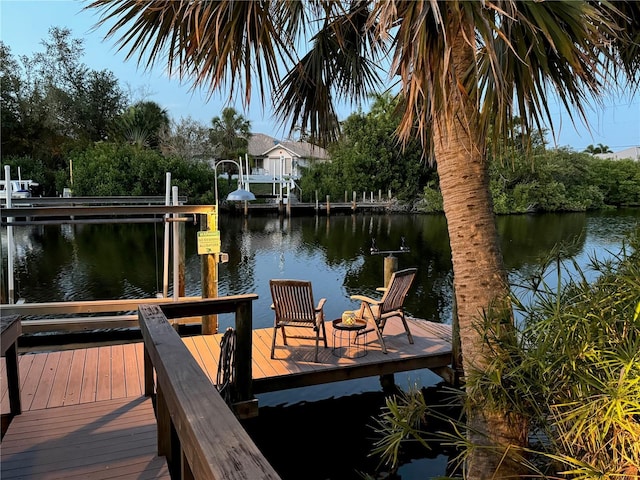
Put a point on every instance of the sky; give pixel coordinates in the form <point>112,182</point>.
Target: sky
<point>24,24</point>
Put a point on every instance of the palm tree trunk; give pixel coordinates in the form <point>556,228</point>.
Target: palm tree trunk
<point>480,280</point>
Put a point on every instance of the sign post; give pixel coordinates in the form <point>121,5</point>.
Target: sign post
<point>209,248</point>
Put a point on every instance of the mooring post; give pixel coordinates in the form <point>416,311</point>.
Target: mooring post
<point>244,327</point>
<point>209,274</point>
<point>390,266</point>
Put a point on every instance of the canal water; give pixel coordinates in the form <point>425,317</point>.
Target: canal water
<point>328,428</point>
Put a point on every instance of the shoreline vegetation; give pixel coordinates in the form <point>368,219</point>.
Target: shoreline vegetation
<point>559,180</point>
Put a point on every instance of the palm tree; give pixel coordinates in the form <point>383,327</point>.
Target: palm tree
<point>142,124</point>
<point>461,66</point>
<point>600,148</point>
<point>230,134</point>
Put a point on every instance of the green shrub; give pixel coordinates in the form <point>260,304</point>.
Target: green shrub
<point>574,373</point>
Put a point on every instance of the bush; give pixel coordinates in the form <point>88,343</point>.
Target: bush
<point>573,373</point>
<point>109,169</point>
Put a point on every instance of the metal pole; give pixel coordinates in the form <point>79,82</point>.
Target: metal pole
<point>165,268</point>
<point>176,249</point>
<point>10,284</point>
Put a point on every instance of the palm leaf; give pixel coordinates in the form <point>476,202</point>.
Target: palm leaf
<point>216,44</point>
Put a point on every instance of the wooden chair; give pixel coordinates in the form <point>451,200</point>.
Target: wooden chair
<point>389,306</point>
<point>294,307</point>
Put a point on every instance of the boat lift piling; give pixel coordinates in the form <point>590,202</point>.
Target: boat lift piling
<point>10,268</point>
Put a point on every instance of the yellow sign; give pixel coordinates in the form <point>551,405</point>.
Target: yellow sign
<point>208,242</point>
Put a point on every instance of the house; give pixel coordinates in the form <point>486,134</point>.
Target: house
<point>632,153</point>
<point>276,159</point>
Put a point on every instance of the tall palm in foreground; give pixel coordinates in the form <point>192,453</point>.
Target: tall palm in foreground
<point>460,66</point>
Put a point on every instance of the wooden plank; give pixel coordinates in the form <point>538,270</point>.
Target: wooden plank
<point>45,386</point>
<point>89,376</point>
<point>4,390</point>
<point>74,385</point>
<point>118,386</point>
<point>132,375</point>
<point>61,380</point>
<point>32,380</point>
<point>103,382</point>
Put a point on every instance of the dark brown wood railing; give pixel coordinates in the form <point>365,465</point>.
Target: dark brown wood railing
<point>197,431</point>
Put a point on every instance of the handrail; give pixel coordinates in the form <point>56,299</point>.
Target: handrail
<point>66,316</point>
<point>83,306</point>
<point>197,432</point>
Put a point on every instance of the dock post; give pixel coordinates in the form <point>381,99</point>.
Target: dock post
<point>244,327</point>
<point>328,206</point>
<point>209,275</point>
<point>390,266</point>
<point>353,203</point>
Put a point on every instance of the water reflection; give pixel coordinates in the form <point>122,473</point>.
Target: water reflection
<point>84,262</point>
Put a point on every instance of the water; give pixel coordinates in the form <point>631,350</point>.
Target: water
<point>86,262</point>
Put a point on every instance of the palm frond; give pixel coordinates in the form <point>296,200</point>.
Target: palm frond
<point>341,65</point>
<point>216,44</point>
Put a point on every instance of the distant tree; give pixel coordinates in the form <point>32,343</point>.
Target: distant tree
<point>229,134</point>
<point>142,124</point>
<point>187,139</point>
<point>600,148</point>
<point>82,102</point>
<point>52,102</point>
<point>368,157</point>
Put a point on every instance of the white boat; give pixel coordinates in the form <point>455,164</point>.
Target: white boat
<point>19,188</point>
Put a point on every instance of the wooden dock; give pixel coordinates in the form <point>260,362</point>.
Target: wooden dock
<point>111,372</point>
<point>94,396</point>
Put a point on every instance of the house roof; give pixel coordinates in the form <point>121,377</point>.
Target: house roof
<point>633,153</point>
<point>260,145</point>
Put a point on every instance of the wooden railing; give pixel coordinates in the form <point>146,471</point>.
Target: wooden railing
<point>197,431</point>
<point>73,312</point>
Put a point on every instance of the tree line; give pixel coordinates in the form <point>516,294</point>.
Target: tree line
<point>68,126</point>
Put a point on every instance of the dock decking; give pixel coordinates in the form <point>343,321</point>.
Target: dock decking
<point>93,396</point>
<point>106,439</point>
<point>85,375</point>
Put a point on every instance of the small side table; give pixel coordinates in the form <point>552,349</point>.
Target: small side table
<point>11,330</point>
<point>348,340</point>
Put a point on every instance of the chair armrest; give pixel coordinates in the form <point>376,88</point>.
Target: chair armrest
<point>321,304</point>
<point>362,298</point>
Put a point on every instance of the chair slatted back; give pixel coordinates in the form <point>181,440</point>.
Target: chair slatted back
<point>399,284</point>
<point>293,300</point>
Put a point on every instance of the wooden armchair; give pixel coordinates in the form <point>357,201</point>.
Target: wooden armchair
<point>294,307</point>
<point>390,305</point>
